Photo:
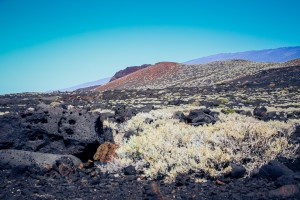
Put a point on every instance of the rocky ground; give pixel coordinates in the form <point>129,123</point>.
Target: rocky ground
<point>48,141</point>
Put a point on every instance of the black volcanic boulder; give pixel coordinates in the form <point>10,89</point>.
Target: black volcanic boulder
<point>8,124</point>
<point>201,117</point>
<point>175,102</point>
<point>237,171</point>
<point>130,170</point>
<point>17,158</point>
<point>179,115</point>
<point>123,113</point>
<point>273,170</point>
<point>260,112</point>
<point>120,109</point>
<point>53,130</point>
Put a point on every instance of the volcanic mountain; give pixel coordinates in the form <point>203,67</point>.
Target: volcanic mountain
<point>171,74</point>
<point>127,71</point>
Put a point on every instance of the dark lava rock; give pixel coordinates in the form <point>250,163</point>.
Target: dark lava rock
<point>273,170</point>
<point>283,192</point>
<point>194,114</point>
<point>200,117</point>
<point>128,134</point>
<point>148,120</point>
<point>237,171</point>
<point>147,108</point>
<point>216,102</point>
<point>64,169</point>
<point>287,180</point>
<point>122,113</point>
<point>179,115</point>
<point>88,165</point>
<point>182,180</point>
<point>8,125</point>
<point>130,170</point>
<point>120,109</point>
<point>175,102</point>
<point>53,130</point>
<point>130,112</point>
<point>17,158</point>
<point>119,119</point>
<point>108,135</point>
<point>260,112</point>
<point>206,111</point>
<point>107,115</point>
<point>296,134</point>
<point>211,104</point>
<point>149,192</point>
<point>127,71</point>
<point>243,112</point>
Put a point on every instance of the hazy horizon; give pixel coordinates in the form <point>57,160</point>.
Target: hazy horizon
<point>49,45</point>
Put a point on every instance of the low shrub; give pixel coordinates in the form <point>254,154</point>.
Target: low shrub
<point>228,111</point>
<point>168,147</point>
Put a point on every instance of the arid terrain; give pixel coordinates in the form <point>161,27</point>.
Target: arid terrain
<point>221,130</point>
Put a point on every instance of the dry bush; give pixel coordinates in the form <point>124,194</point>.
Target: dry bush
<point>167,147</point>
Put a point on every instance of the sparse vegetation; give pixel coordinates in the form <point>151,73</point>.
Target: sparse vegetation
<point>228,111</point>
<point>210,74</point>
<point>272,84</point>
<point>168,147</point>
<point>223,100</point>
<point>157,143</point>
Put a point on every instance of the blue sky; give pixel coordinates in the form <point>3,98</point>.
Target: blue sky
<point>54,44</point>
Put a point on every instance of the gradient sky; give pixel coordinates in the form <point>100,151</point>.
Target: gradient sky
<point>54,44</point>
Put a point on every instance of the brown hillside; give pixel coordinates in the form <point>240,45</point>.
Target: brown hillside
<point>170,74</point>
<point>142,77</point>
<point>127,71</point>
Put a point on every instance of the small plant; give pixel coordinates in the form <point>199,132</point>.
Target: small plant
<point>223,100</point>
<point>247,101</point>
<point>272,84</point>
<point>195,103</point>
<point>228,111</point>
<point>54,103</point>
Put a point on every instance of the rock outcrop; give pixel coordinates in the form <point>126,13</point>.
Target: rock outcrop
<point>198,117</point>
<point>53,130</point>
<point>127,71</point>
<point>17,158</point>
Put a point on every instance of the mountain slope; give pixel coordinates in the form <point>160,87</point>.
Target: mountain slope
<point>268,55</point>
<point>170,74</point>
<point>127,71</point>
<point>144,77</point>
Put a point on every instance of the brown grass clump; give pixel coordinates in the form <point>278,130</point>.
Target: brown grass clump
<point>106,152</point>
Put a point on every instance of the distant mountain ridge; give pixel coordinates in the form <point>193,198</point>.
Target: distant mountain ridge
<point>267,55</point>
<point>86,85</point>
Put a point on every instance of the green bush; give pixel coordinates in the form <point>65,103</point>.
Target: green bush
<point>228,111</point>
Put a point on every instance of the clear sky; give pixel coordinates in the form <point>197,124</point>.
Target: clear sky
<point>54,44</point>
